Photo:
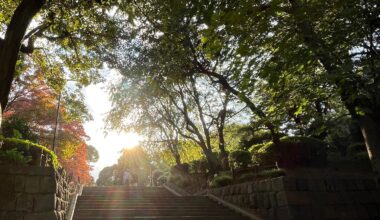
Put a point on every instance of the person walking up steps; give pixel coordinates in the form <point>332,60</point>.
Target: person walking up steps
<point>126,178</point>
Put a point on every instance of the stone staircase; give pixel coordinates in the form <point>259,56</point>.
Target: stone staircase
<point>146,203</point>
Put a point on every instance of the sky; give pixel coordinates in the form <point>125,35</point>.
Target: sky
<point>110,145</point>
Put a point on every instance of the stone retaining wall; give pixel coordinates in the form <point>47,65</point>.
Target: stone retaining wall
<point>33,193</point>
<point>306,198</point>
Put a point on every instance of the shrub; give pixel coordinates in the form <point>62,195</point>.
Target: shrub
<point>292,152</point>
<point>173,179</point>
<point>221,180</point>
<point>361,156</point>
<point>264,154</point>
<point>28,147</point>
<point>184,167</point>
<point>14,157</point>
<point>199,166</point>
<point>246,177</point>
<point>179,180</point>
<point>16,127</point>
<point>250,137</point>
<point>240,158</point>
<point>156,174</point>
<point>271,173</point>
<point>302,151</point>
<point>161,180</point>
<point>356,148</point>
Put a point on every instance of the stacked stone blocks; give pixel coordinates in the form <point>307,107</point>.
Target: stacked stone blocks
<point>31,193</point>
<point>306,198</point>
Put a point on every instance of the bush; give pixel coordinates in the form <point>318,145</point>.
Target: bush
<point>179,180</point>
<point>247,177</point>
<point>292,152</point>
<point>199,166</point>
<point>271,173</point>
<point>356,148</point>
<point>16,127</point>
<point>250,137</point>
<point>14,157</point>
<point>161,180</point>
<point>361,156</point>
<point>156,174</point>
<point>184,167</point>
<point>240,158</point>
<point>29,148</point>
<point>221,180</point>
<point>264,154</point>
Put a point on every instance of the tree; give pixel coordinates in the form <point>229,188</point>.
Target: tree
<point>107,176</point>
<point>77,165</point>
<point>137,162</point>
<point>34,105</point>
<point>188,109</point>
<point>92,154</point>
<point>240,44</point>
<point>174,46</point>
<point>68,28</point>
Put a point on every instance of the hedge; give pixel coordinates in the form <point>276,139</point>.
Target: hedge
<point>27,144</point>
<point>292,152</point>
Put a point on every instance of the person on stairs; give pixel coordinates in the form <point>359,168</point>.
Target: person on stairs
<point>126,178</point>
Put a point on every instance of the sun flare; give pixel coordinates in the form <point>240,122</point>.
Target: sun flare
<point>132,139</point>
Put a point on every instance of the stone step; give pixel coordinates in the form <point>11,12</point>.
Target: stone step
<point>137,199</point>
<point>152,212</point>
<point>146,203</point>
<point>127,192</point>
<point>165,218</point>
<point>134,189</point>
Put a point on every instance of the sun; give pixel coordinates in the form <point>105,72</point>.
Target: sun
<point>132,139</point>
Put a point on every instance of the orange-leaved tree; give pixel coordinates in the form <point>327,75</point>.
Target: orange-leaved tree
<point>35,102</point>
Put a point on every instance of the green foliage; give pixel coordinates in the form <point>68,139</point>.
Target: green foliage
<point>14,157</point>
<point>356,148</point>
<point>293,151</point>
<point>265,174</point>
<point>92,154</point>
<point>16,127</point>
<point>106,176</point>
<point>26,145</point>
<point>162,180</point>
<point>271,173</point>
<point>199,166</point>
<point>240,158</point>
<point>179,180</point>
<point>247,177</point>
<point>159,177</point>
<point>221,180</point>
<point>361,156</point>
<point>264,154</point>
<point>250,137</point>
<point>306,63</point>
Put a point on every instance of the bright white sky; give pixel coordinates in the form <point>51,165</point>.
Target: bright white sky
<point>110,145</point>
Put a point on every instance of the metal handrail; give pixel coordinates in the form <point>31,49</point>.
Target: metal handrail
<point>73,201</point>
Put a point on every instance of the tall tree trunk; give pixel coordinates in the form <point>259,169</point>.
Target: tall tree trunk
<point>222,148</point>
<point>177,159</point>
<point>10,45</point>
<point>211,160</point>
<point>174,150</point>
<point>371,134</point>
<point>222,144</point>
<point>369,125</point>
